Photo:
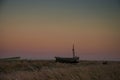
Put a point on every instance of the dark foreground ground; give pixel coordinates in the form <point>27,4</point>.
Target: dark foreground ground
<point>49,70</point>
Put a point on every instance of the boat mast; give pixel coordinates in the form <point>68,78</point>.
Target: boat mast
<point>73,51</point>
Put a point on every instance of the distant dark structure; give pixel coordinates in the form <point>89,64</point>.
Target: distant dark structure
<point>104,62</point>
<point>73,59</point>
<point>11,58</point>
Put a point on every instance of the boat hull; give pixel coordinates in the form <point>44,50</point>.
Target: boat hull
<point>67,60</point>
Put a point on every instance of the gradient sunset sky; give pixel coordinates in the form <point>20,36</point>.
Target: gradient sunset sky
<point>43,29</point>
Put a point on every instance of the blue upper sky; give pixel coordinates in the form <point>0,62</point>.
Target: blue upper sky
<point>77,5</point>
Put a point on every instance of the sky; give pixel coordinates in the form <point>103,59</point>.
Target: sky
<point>43,29</point>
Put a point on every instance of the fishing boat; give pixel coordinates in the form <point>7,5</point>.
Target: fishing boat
<point>73,59</point>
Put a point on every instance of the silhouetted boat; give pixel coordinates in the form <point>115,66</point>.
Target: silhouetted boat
<point>73,59</point>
